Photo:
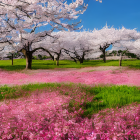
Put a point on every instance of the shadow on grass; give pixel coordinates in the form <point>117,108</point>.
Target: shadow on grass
<point>13,68</point>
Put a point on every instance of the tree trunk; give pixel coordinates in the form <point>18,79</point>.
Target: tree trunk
<point>75,61</point>
<point>28,56</point>
<point>57,59</point>
<point>104,58</point>
<point>12,59</point>
<point>81,60</point>
<point>52,58</point>
<point>57,62</point>
<point>120,61</point>
<point>54,61</point>
<point>29,60</point>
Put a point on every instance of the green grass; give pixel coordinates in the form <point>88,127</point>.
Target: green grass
<point>20,64</point>
<point>110,97</point>
<point>102,96</point>
<point>24,90</point>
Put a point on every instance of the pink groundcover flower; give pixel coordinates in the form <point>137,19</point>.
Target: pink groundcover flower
<point>43,115</point>
<point>128,77</point>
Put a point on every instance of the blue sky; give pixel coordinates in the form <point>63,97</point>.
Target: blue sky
<point>116,13</point>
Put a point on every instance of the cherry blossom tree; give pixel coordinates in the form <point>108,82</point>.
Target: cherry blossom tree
<point>64,42</point>
<point>134,47</point>
<point>10,11</point>
<point>80,46</point>
<point>18,15</point>
<point>109,36</point>
<point>7,46</point>
<point>131,46</point>
<point>48,46</point>
<point>75,44</point>
<point>3,33</point>
<point>54,47</point>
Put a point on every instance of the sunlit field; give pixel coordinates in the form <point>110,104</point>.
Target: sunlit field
<point>19,64</point>
<point>70,111</point>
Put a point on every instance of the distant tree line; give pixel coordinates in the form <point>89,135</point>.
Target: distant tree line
<point>124,53</point>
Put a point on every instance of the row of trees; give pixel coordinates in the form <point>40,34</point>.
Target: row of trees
<point>79,44</point>
<point>120,52</point>
<point>38,55</point>
<point>72,44</point>
<point>18,15</point>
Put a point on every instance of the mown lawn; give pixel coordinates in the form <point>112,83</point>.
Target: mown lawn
<point>20,64</point>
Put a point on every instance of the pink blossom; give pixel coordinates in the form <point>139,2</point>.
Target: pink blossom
<point>41,115</point>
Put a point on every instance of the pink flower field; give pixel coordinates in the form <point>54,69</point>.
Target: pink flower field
<point>44,115</point>
<point>127,77</point>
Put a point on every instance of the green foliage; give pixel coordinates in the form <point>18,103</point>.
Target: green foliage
<point>45,57</point>
<point>40,57</point>
<point>34,57</point>
<point>114,52</point>
<point>101,56</point>
<point>120,51</point>
<point>71,103</point>
<point>110,54</point>
<point>15,55</point>
<point>127,53</point>
<point>132,55</point>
